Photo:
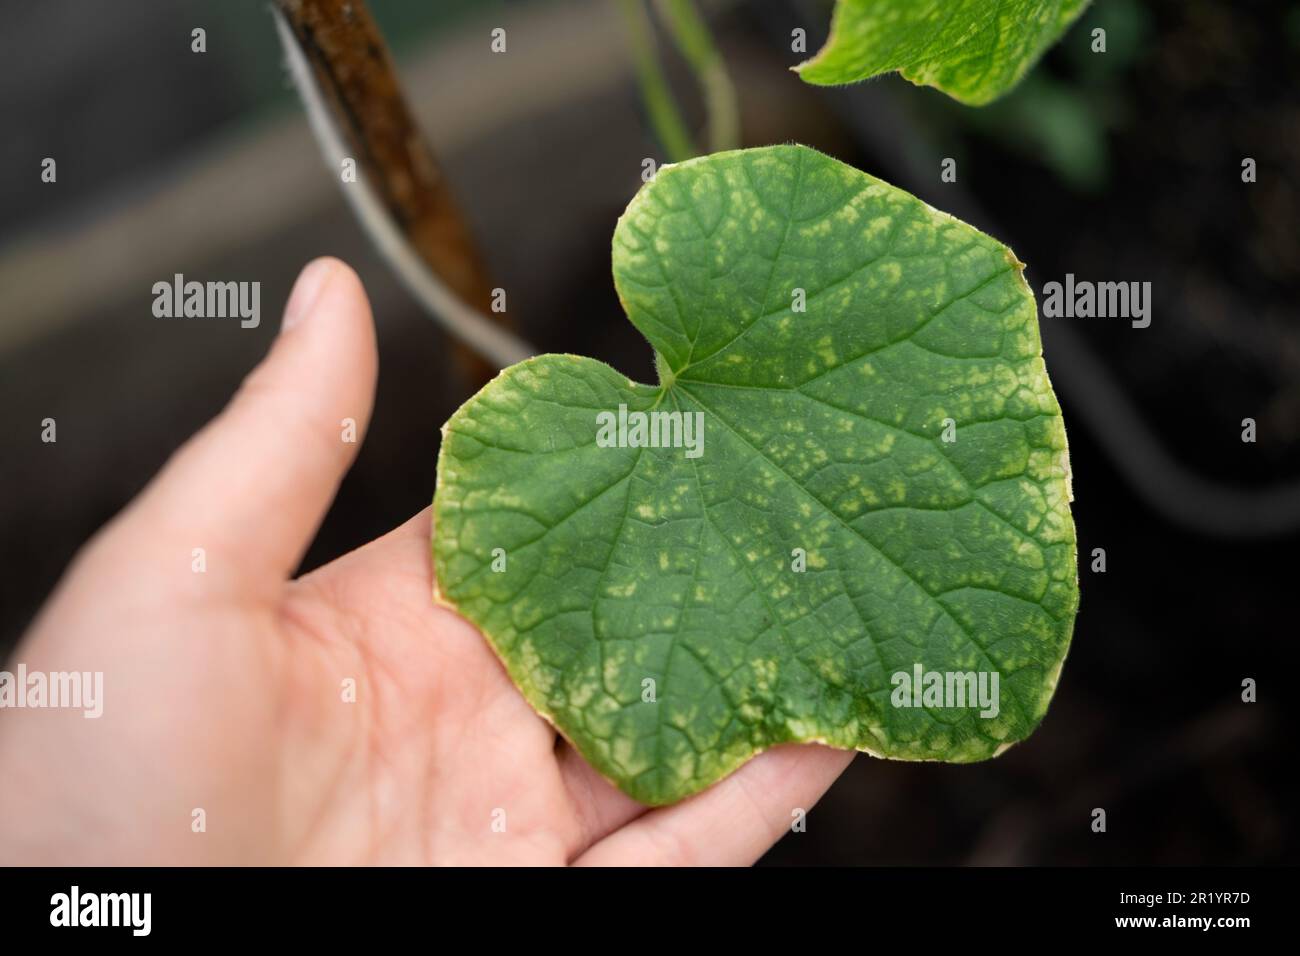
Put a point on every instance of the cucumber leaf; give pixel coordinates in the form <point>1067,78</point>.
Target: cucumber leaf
<point>866,377</point>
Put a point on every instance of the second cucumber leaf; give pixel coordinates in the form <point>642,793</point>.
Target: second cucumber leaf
<point>973,50</point>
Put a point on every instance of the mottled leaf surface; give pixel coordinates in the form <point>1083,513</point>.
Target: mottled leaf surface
<point>973,50</point>
<point>823,431</point>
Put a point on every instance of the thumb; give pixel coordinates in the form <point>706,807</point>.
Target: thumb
<point>252,487</point>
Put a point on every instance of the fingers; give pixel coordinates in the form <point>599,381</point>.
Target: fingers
<point>599,806</point>
<point>252,487</point>
<point>732,823</point>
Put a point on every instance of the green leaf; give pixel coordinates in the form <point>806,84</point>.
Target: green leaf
<point>973,50</point>
<point>823,431</point>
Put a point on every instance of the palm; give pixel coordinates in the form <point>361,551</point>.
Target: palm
<point>438,735</point>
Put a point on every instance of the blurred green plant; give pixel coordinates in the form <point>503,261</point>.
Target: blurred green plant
<point>1060,122</point>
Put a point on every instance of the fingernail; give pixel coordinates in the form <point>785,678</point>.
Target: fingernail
<point>305,292</point>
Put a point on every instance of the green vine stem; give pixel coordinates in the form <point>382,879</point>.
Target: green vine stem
<point>695,43</point>
<point>665,115</point>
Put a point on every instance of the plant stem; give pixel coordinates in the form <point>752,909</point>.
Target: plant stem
<point>696,45</point>
<point>665,115</point>
<point>349,85</point>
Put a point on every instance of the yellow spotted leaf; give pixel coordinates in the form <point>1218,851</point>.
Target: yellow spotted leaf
<point>841,515</point>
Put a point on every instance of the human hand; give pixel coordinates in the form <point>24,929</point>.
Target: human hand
<point>226,691</point>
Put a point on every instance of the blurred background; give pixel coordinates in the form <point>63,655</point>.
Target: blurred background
<point>1119,166</point>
